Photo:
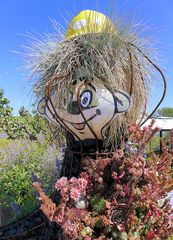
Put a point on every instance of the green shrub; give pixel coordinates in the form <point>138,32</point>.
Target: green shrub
<point>18,163</point>
<point>4,142</point>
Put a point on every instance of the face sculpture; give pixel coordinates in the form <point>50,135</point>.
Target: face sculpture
<point>95,79</point>
<point>88,112</point>
<point>88,108</point>
<point>88,75</point>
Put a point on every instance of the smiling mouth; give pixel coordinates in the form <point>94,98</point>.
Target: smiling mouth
<point>81,126</point>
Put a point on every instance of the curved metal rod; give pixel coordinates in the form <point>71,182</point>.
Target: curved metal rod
<point>108,88</point>
<point>80,109</point>
<point>60,121</point>
<point>143,81</point>
<point>93,153</point>
<point>57,117</point>
<point>162,75</point>
<point>131,72</point>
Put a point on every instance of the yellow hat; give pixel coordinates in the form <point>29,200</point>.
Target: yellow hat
<point>89,22</point>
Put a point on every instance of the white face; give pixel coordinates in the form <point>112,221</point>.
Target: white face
<point>94,109</point>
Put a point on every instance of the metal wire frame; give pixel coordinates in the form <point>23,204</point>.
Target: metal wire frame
<point>7,228</point>
<point>162,75</point>
<point>132,81</point>
<point>143,81</point>
<point>86,121</point>
<point>129,44</point>
<point>61,122</point>
<point>142,77</point>
<point>54,113</point>
<point>131,73</point>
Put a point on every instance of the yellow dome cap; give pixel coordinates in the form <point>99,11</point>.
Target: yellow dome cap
<point>87,22</point>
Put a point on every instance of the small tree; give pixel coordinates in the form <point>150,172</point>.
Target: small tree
<point>23,112</point>
<point>164,112</point>
<point>5,113</point>
<point>26,125</point>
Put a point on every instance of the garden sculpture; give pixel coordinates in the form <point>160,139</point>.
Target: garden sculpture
<point>94,83</point>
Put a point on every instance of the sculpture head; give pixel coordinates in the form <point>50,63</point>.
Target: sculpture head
<point>88,111</point>
<point>95,81</point>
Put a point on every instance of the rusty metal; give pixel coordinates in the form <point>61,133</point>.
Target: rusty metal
<point>57,117</point>
<point>86,121</point>
<point>107,154</point>
<point>131,73</point>
<point>143,81</point>
<point>5,230</point>
<point>34,226</point>
<point>163,78</point>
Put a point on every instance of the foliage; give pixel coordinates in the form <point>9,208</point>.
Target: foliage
<point>154,144</point>
<point>26,125</point>
<point>164,112</point>
<point>19,162</point>
<point>5,112</point>
<point>123,196</point>
<point>98,204</point>
<point>4,142</point>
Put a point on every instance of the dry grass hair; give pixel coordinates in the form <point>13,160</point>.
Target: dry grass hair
<point>113,59</point>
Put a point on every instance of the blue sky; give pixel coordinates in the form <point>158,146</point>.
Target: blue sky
<point>17,17</point>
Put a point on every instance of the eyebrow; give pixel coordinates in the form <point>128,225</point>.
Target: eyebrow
<point>92,86</point>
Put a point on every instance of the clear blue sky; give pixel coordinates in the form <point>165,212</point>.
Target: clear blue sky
<point>17,17</point>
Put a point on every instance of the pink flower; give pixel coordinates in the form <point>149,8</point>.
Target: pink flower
<point>73,180</point>
<point>61,183</point>
<point>146,129</point>
<point>87,238</point>
<point>70,229</point>
<point>75,194</point>
<point>82,184</point>
<point>132,128</point>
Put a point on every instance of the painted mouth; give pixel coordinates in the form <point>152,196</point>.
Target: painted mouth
<point>82,125</point>
<point>79,126</point>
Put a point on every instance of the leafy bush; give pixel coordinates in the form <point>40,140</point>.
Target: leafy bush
<point>4,142</point>
<point>26,125</point>
<point>19,163</point>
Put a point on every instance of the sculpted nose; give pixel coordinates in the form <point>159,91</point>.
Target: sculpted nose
<point>72,108</point>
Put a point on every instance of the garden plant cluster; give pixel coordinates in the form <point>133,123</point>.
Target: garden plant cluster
<point>123,196</point>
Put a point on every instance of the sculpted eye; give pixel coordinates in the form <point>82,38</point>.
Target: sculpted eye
<point>86,98</point>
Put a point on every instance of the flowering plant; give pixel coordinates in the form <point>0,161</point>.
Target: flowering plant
<point>122,196</point>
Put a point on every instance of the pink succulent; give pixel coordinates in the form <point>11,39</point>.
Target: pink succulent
<point>75,194</point>
<point>132,128</point>
<point>73,180</point>
<point>61,183</point>
<point>82,184</point>
<point>70,229</point>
